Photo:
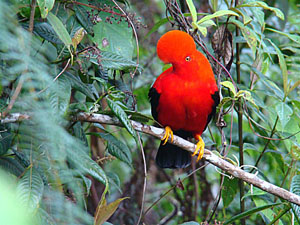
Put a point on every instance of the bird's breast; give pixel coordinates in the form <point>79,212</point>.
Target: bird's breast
<point>185,105</point>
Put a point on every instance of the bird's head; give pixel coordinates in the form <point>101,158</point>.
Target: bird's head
<point>175,46</point>
<point>179,49</point>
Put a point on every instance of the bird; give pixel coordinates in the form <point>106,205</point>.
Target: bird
<point>183,98</point>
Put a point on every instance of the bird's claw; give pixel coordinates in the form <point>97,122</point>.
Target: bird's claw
<point>168,132</point>
<point>199,148</point>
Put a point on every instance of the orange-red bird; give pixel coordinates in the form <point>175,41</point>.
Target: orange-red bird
<point>183,98</point>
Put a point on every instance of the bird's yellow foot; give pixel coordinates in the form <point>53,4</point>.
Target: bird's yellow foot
<point>168,132</point>
<point>199,148</point>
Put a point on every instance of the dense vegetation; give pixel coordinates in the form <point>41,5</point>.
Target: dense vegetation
<point>61,58</point>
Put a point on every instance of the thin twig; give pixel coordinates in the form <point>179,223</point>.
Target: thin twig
<point>217,200</point>
<point>145,179</point>
<point>31,18</point>
<point>63,70</point>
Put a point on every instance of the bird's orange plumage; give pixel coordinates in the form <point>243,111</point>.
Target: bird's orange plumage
<point>184,96</point>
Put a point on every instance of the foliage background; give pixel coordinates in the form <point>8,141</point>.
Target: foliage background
<point>72,56</point>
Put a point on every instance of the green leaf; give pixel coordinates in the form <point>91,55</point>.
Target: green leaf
<point>88,166</point>
<point>5,138</point>
<point>30,189</point>
<point>44,218</point>
<point>246,19</point>
<point>45,7</point>
<point>11,165</point>
<point>250,212</point>
<point>284,113</point>
<point>267,214</point>
<point>59,96</point>
<point>60,29</point>
<point>192,9</point>
<point>295,188</point>
<point>202,29</point>
<point>77,84</point>
<point>46,31</point>
<point>82,17</point>
<point>116,147</point>
<point>247,96</point>
<point>230,189</point>
<point>113,179</point>
<point>248,34</point>
<point>264,5</point>
<point>217,14</point>
<point>223,102</point>
<point>112,60</point>
<point>292,37</point>
<point>229,85</point>
<point>254,192</point>
<point>283,66</point>
<point>116,38</point>
<point>122,116</point>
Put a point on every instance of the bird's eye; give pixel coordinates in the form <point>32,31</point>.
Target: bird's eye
<point>188,58</point>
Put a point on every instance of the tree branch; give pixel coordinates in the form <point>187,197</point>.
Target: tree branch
<point>184,144</point>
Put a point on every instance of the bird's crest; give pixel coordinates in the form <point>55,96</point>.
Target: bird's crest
<point>175,45</point>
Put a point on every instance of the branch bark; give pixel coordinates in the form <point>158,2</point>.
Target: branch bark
<point>184,144</point>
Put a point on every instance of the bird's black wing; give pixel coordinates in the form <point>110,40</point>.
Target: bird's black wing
<point>216,99</point>
<point>154,99</point>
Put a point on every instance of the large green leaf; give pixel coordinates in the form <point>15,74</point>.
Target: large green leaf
<point>46,31</point>
<point>112,60</point>
<point>88,166</point>
<point>269,213</point>
<point>229,191</point>
<point>248,34</point>
<point>122,116</point>
<point>30,189</point>
<point>60,29</point>
<point>116,38</point>
<point>116,147</point>
<point>264,5</point>
<point>284,113</point>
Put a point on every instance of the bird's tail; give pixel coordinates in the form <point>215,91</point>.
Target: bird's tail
<point>171,156</point>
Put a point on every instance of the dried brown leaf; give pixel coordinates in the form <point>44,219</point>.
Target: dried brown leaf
<point>222,45</point>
